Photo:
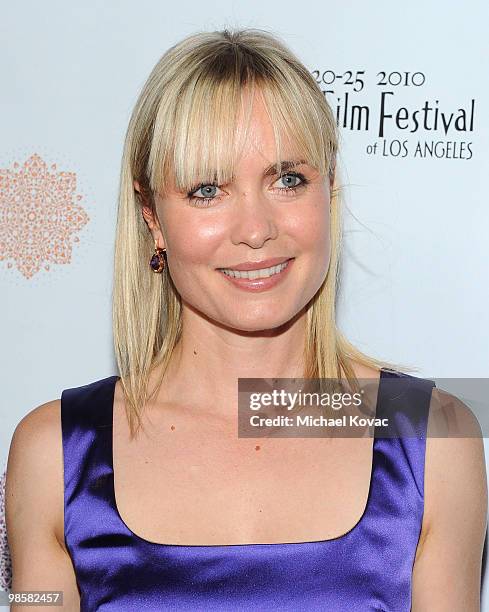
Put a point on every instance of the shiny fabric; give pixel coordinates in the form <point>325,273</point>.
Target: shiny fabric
<point>368,568</point>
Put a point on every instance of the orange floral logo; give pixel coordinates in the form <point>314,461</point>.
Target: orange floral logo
<point>39,215</point>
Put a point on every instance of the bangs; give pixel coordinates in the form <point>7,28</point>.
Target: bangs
<point>198,141</point>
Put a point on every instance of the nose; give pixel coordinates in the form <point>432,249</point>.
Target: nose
<point>255,221</point>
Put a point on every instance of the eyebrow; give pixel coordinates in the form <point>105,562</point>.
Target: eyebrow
<point>284,166</point>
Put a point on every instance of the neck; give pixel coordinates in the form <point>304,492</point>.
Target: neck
<point>209,358</point>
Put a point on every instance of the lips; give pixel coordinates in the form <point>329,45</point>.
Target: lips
<point>257,265</point>
<point>259,280</point>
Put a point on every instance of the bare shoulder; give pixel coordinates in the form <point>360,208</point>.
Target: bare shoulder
<point>455,460</point>
<point>39,426</point>
<point>35,461</point>
<point>40,421</point>
<point>455,507</point>
<point>451,417</point>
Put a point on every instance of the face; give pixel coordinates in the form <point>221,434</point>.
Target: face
<point>259,216</point>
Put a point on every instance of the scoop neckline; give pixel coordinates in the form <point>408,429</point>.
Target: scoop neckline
<point>162,545</point>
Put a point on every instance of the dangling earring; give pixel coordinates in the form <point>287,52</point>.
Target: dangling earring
<point>157,262</point>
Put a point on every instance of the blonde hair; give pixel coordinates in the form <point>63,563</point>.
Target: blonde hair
<point>183,126</point>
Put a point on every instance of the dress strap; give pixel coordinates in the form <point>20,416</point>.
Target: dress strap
<point>405,404</point>
<point>86,423</point>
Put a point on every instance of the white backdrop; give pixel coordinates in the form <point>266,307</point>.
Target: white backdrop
<point>415,278</point>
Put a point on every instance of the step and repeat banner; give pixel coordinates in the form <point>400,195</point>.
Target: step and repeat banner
<point>409,88</point>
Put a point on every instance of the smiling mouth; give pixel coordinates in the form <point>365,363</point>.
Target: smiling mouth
<point>255,274</point>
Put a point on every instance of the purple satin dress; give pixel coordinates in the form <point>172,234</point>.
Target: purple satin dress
<point>368,568</point>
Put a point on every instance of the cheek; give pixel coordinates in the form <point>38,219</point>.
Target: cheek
<point>311,234</point>
<point>310,227</point>
<point>193,239</point>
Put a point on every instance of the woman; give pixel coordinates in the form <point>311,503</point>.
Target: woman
<point>229,166</point>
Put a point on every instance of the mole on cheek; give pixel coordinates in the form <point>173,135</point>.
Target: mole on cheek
<point>257,447</point>
<point>172,427</point>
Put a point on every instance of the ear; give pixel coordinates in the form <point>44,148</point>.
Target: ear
<point>154,226</point>
<point>151,221</point>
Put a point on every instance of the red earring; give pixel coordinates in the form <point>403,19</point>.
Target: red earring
<point>157,262</point>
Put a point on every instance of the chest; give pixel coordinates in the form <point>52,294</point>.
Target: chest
<point>201,486</point>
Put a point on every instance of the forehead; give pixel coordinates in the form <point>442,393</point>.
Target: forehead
<point>248,136</point>
<point>254,131</point>
<point>256,148</point>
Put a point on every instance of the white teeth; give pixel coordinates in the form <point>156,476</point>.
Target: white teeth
<point>252,274</point>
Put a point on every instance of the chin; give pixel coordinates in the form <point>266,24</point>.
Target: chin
<point>256,323</point>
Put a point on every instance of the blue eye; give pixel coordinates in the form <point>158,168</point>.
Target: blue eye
<point>294,176</point>
<point>205,187</point>
<point>212,197</point>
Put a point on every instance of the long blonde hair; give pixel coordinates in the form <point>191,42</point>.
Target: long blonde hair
<point>183,125</point>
